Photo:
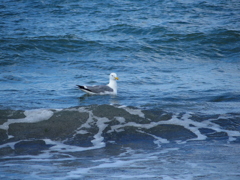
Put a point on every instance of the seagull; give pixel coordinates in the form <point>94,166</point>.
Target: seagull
<point>110,88</point>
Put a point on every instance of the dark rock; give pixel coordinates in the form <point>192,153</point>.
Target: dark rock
<point>30,147</point>
<point>60,126</point>
<point>171,132</point>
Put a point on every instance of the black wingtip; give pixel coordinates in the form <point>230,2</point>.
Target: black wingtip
<point>81,87</point>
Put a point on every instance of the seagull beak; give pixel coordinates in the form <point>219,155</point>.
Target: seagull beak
<point>116,78</point>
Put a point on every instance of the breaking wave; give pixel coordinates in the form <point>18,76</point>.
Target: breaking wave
<point>92,127</point>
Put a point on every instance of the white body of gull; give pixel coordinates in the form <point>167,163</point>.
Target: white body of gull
<point>110,88</point>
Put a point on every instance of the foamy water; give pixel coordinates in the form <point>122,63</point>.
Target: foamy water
<point>107,145</point>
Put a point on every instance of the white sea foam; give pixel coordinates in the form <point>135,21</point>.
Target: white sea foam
<point>128,151</point>
<point>89,121</point>
<point>121,120</point>
<point>184,121</point>
<point>134,111</point>
<point>11,145</point>
<point>131,159</point>
<point>32,116</point>
<point>98,141</point>
<point>114,163</point>
<point>98,138</point>
<point>61,147</point>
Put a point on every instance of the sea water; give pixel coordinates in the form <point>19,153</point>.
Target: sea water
<point>177,111</point>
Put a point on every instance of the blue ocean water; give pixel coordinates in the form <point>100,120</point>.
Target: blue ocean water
<point>178,98</point>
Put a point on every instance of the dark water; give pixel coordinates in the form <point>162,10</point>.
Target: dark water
<point>177,112</point>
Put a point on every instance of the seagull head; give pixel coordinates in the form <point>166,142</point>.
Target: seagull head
<point>113,76</point>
